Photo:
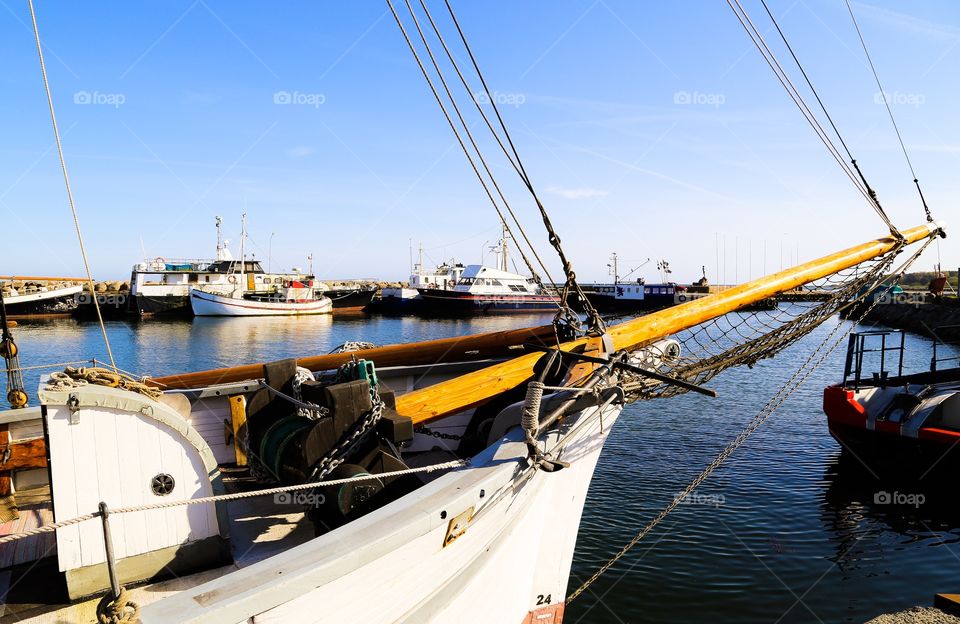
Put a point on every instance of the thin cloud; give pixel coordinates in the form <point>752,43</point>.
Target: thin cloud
<point>577,193</point>
<point>301,151</point>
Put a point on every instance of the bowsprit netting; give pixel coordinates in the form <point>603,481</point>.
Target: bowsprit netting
<point>750,335</point>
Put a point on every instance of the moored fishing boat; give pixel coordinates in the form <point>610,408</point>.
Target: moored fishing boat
<point>911,421</point>
<point>285,303</point>
<point>36,298</point>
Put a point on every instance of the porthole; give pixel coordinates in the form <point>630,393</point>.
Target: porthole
<point>162,484</point>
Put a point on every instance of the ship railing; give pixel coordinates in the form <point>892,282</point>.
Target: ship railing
<point>936,359</point>
<point>857,348</point>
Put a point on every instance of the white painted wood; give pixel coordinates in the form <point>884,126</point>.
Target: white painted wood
<point>111,455</point>
<point>392,565</point>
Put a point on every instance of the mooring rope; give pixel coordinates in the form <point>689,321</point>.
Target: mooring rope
<point>66,180</point>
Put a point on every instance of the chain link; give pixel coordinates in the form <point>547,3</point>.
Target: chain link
<point>423,429</point>
<point>811,364</point>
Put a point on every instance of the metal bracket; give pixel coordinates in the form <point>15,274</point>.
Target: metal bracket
<point>73,404</point>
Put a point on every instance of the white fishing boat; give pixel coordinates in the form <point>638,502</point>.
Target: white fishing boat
<point>433,482</point>
<point>291,300</point>
<point>289,297</point>
<point>162,286</point>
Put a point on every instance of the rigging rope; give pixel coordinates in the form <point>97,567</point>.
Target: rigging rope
<point>595,321</point>
<point>66,180</point>
<point>886,103</point>
<point>757,38</point>
<point>479,108</point>
<point>460,140</point>
<point>799,377</point>
<point>853,161</point>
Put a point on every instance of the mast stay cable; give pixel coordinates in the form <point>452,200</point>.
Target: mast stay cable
<point>595,322</point>
<point>457,135</point>
<point>473,142</point>
<point>886,103</point>
<point>757,38</point>
<point>853,161</point>
<point>66,180</point>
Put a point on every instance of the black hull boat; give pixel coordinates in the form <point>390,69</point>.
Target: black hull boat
<point>350,299</point>
<point>457,303</point>
<point>42,302</point>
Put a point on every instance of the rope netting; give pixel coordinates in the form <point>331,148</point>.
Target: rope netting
<point>749,335</point>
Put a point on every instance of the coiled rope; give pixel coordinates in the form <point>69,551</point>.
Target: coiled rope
<point>76,377</point>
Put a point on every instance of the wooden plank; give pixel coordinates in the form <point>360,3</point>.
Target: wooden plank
<point>458,348</point>
<point>23,455</point>
<point>238,418</point>
<point>475,388</point>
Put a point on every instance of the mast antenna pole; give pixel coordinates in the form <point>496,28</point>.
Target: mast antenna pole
<point>243,256</point>
<point>503,247</point>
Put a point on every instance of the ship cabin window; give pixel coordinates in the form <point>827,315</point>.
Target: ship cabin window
<point>646,290</point>
<point>206,278</point>
<point>466,281</point>
<point>193,278</point>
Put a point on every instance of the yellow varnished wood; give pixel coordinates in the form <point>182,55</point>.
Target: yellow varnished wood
<point>238,421</point>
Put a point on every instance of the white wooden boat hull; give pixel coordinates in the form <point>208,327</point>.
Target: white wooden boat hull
<point>210,304</point>
<point>512,563</point>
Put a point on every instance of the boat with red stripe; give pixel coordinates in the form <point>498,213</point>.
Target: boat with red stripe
<point>912,417</point>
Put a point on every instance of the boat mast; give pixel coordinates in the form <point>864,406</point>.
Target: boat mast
<point>243,256</point>
<point>219,237</point>
<point>503,248</point>
<point>613,267</point>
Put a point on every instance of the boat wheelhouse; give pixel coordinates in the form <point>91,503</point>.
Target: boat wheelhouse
<point>634,295</point>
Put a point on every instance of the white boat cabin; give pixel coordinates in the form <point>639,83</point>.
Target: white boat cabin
<point>482,280</point>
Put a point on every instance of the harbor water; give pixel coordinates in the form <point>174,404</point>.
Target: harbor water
<point>789,530</point>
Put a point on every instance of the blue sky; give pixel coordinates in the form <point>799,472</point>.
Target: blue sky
<point>653,129</point>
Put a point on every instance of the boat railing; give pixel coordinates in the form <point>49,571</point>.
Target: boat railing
<point>936,359</point>
<point>860,344</point>
<point>174,265</point>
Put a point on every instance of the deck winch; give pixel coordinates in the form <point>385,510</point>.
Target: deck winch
<point>300,429</point>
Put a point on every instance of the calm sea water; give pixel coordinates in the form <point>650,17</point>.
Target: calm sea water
<point>787,531</point>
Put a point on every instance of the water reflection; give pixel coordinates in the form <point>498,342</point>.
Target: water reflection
<point>870,506</point>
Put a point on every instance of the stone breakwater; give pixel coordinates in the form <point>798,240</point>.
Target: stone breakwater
<point>933,317</point>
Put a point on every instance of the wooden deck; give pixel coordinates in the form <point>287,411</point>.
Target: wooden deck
<point>36,510</point>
